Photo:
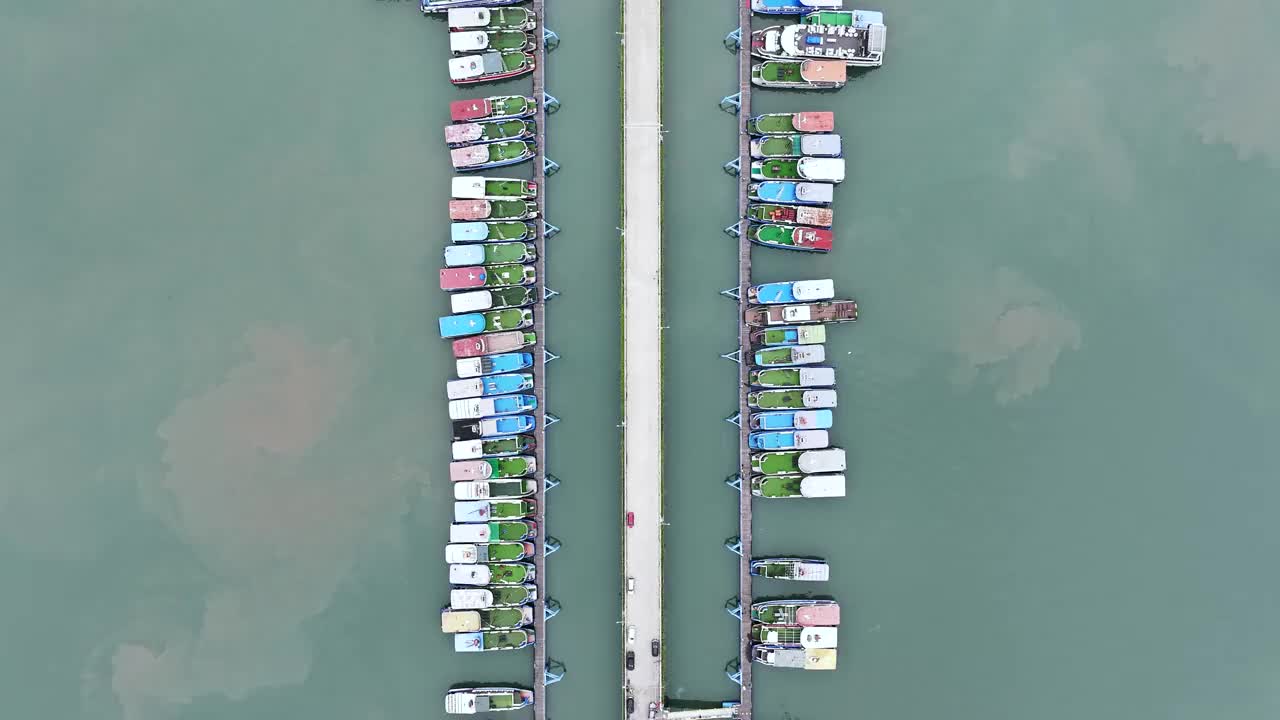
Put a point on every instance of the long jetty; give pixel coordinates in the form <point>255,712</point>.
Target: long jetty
<point>540,374</point>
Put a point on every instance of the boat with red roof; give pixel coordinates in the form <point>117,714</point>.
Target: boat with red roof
<point>498,107</point>
<point>479,276</point>
<point>791,237</point>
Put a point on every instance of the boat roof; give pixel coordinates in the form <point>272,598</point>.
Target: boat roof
<point>464,702</point>
<point>817,376</point>
<point>468,641</point>
<point>468,17</point>
<point>470,574</point>
<point>462,277</point>
<point>469,532</point>
<point>469,156</point>
<point>469,367</point>
<point>472,491</point>
<point>810,334</point>
<point>470,66</point>
<point>456,621</point>
<point>467,188</point>
<point>814,192</point>
<point>816,659</point>
<point>467,449</point>
<point>471,301</point>
<point>814,122</point>
<point>825,615</point>
<point>470,511</point>
<point>814,572</point>
<point>820,398</point>
<point>811,438</point>
<point>462,255</point>
<point>461,390</point>
<point>469,209</point>
<point>464,132</point>
<point>808,354</point>
<point>824,144</point>
<point>455,325</point>
<point>461,553</point>
<point>468,40</point>
<point>470,598</point>
<point>468,232</point>
<point>784,657</point>
<point>814,486</point>
<point>817,461</point>
<point>813,289</point>
<point>469,409</point>
<point>823,70</point>
<point>812,167</point>
<point>460,470</point>
<point>460,110</point>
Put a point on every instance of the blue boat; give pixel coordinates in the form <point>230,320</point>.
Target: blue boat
<point>792,420</point>
<point>792,7</point>
<point>439,6</point>
<point>495,231</point>
<point>492,364</point>
<point>790,191</point>
<point>454,326</point>
<point>789,440</point>
<point>488,407</point>
<point>791,291</point>
<point>493,427</point>
<point>488,385</point>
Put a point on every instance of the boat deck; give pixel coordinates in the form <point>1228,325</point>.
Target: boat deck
<point>744,347</point>
<point>540,375</point>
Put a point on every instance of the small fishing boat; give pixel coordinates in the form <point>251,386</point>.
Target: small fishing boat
<point>796,658</point>
<point>453,326</point>
<point>492,532</point>
<point>790,214</point>
<point>787,399</point>
<point>504,253</point>
<point>488,386</point>
<point>823,145</point>
<point>792,420</point>
<point>439,6</point>
<point>790,291</point>
<point>496,299</point>
<point>785,377</point>
<point>457,621</point>
<point>493,344</point>
<point>467,598</point>
<point>791,237</point>
<point>494,640</point>
<point>792,192</point>
<point>789,440</point>
<point>496,468</point>
<point>797,486</point>
<point>483,232</point>
<point>800,74</point>
<point>853,45</point>
<point>804,612</point>
<point>514,573</point>
<point>494,489</point>
<point>785,336</point>
<point>814,169</point>
<point>486,18</point>
<point>478,408</point>
<point>491,131</point>
<point>492,108</point>
<point>831,311</point>
<point>491,65</point>
<point>467,553</point>
<point>472,41</point>
<point>493,447</point>
<point>493,427</point>
<point>791,568</point>
<point>790,356</point>
<point>492,155</point>
<point>792,7</point>
<point>492,210</point>
<point>486,510</point>
<point>476,276</point>
<point>789,123</point>
<point>472,700</point>
<point>484,188</point>
<point>807,462</point>
<point>493,364</point>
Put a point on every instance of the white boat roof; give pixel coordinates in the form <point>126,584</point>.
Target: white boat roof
<point>811,439</point>
<point>784,657</point>
<point>821,168</point>
<point>489,426</point>
<point>460,470</point>
<point>877,34</point>
<point>809,353</point>
<point>471,511</point>
<point>469,367</point>
<point>819,398</point>
<point>468,41</point>
<point>456,621</point>
<point>822,461</point>
<point>815,192</point>
<point>463,255</point>
<point>816,486</point>
<point>470,599</point>
<point>796,313</point>
<point>462,389</point>
<point>813,289</point>
<point>468,17</point>
<point>461,554</point>
<point>811,377</point>
<point>466,67</point>
<point>467,188</point>
<point>813,572</point>
<point>469,574</point>
<point>812,334</point>
<point>462,703</point>
<point>463,231</point>
<point>469,409</point>
<point>471,490</point>
<point>467,449</point>
<point>821,145</point>
<point>466,302</point>
<point>819,638</point>
<point>469,533</point>
<point>823,4</point>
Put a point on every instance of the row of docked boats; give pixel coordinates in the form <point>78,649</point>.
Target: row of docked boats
<point>816,52</point>
<point>796,162</point>
<point>490,273</point>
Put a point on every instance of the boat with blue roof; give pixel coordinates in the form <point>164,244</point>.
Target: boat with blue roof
<point>493,364</point>
<point>791,192</point>
<point>493,427</point>
<point>792,420</point>
<point>454,326</point>
<point>502,253</point>
<point>789,440</point>
<point>495,231</point>
<point>488,386</point>
<point>790,291</point>
<point>484,407</point>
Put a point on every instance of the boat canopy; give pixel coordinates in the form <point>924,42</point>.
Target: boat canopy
<point>458,702</point>
<point>468,232</point>
<point>468,41</point>
<point>813,168</point>
<point>467,67</point>
<point>820,659</point>
<point>819,461</point>
<point>814,192</point>
<point>472,491</point>
<point>811,334</point>
<point>469,209</point>
<point>463,110</point>
<point>463,389</point>
<point>461,470</point>
<point>452,326</point>
<point>876,36</point>
<point>455,621</point>
<point>826,614</point>
<point>463,255</point>
<point>470,533</point>
<point>468,17</point>
<point>470,409</point>
<point>461,554</point>
<point>820,145</point>
<point>808,354</point>
<point>810,439</point>
<point>477,301</point>
<point>816,486</point>
<point>467,449</point>
<point>819,398</point>
<point>471,511</point>
<point>814,122</point>
<point>468,642</point>
<point>781,656</point>
<point>472,156</point>
<point>470,599</point>
<point>821,71</point>
<point>817,377</point>
<point>470,574</point>
<point>469,367</point>
<point>467,188</point>
<point>814,572</point>
<point>466,132</point>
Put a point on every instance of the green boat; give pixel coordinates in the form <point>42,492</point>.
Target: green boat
<point>494,573</point>
<point>815,169</point>
<point>797,611</point>
<point>504,253</point>
<point>786,462</point>
<point>473,41</point>
<point>792,377</point>
<point>494,447</point>
<point>513,594</point>
<point>788,356</point>
<point>493,468</point>
<point>787,123</point>
<point>494,489</point>
<point>505,618</point>
<point>461,134</point>
<point>498,18</point>
<point>797,486</point>
<point>509,319</point>
<point>800,74</point>
<point>791,237</point>
<point>485,510</point>
<point>483,232</point>
<point>482,188</point>
<point>791,399</point>
<point>492,210</point>
<point>493,532</point>
<point>776,634</point>
<point>492,155</point>
<point>790,214</point>
<point>493,640</point>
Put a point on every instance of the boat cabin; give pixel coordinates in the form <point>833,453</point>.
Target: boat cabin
<point>471,67</point>
<point>473,109</point>
<point>464,389</point>
<point>463,133</point>
<point>469,157</point>
<point>818,376</point>
<point>461,470</point>
<point>821,486</point>
<point>467,449</point>
<point>814,122</point>
<point>820,461</point>
<point>470,574</point>
<point>469,17</point>
<point>823,71</point>
<point>468,41</point>
<point>821,145</point>
<point>463,255</point>
<point>469,209</point>
<point>463,554</point>
<point>468,232</point>
<point>819,398</point>
<point>452,326</point>
<point>469,302</point>
<point>462,278</point>
<point>470,533</point>
<point>823,614</point>
<point>456,621</point>
<point>822,169</point>
<point>472,511</point>
<point>467,188</point>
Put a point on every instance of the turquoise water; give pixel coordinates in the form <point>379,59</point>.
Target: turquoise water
<point>222,492</point>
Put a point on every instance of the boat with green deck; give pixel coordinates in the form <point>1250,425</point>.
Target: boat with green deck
<point>510,573</point>
<point>478,133</point>
<point>790,335</point>
<point>800,74</point>
<point>797,486</point>
<point>463,42</point>
<point>792,377</point>
<point>492,108</point>
<point>501,253</point>
<point>493,468</point>
<point>807,462</point>
<point>492,155</point>
<point>506,618</point>
<point>494,489</point>
<point>492,210</point>
<point>791,237</point>
<point>492,18</point>
<point>791,568</point>
<point>492,640</point>
<point>472,700</point>
<point>825,145</point>
<point>788,123</point>
<point>493,447</point>
<point>498,531</point>
<point>493,321</point>
<point>487,188</point>
<point>483,232</point>
<point>813,169</point>
<point>790,214</point>
<point>468,598</point>
<point>791,399</point>
<point>791,356</point>
<point>486,552</point>
<point>485,510</point>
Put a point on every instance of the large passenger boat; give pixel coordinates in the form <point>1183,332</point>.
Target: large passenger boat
<point>790,399</point>
<point>821,145</point>
<point>489,66</point>
<point>797,611</point>
<point>493,447</point>
<point>473,553</point>
<point>473,700</point>
<point>800,74</point>
<point>791,356</point>
<point>797,658</point>
<point>493,364</point>
<point>831,311</point>
<point>512,573</point>
<point>478,276</point>
<point>792,420</point>
<point>789,377</point>
<point>492,532</point>
<point>488,386</point>
<point>854,45</point>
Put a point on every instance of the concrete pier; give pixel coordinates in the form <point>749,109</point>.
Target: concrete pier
<point>744,346</point>
<point>540,378</point>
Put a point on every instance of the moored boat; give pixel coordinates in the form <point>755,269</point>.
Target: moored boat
<point>796,658</point>
<point>789,123</point>
<point>488,386</point>
<point>791,568</point>
<point>813,169</point>
<point>852,45</point>
<point>478,276</point>
<point>491,65</point>
<point>493,364</point>
<point>485,510</point>
<point>496,299</point>
<point>492,108</point>
<point>472,700</point>
<point>463,42</point>
<point>791,237</point>
<point>807,462</point>
<point>452,326</point>
<point>797,486</point>
<point>492,209</point>
<point>800,74</point>
<point>470,553</point>
<point>467,598</point>
<point>494,489</point>
<point>858,18</point>
<point>790,335</point>
<point>492,468</point>
<point>495,343</point>
<point>490,131</point>
<point>456,621</point>
<point>493,640</point>
<point>791,192</point>
<point>496,231</point>
<point>831,311</point>
<point>790,214</point>
<point>790,356</point>
<point>786,399</point>
<point>493,447</point>
<point>795,636</point>
<point>478,408</point>
<point>439,6</point>
<point>512,573</point>
<point>785,377</point>
<point>789,440</point>
<point>486,188</point>
<point>821,145</point>
<point>491,532</point>
<point>491,427</point>
<point>498,253</point>
<point>486,18</point>
<point>791,291</point>
<point>792,7</point>
<point>792,420</point>
<point>805,612</point>
<point>492,155</point>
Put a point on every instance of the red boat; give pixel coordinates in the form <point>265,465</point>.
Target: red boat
<point>493,343</point>
<point>462,278</point>
<point>500,107</point>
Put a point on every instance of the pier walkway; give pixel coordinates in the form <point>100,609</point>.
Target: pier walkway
<point>744,347</point>
<point>540,377</point>
<point>642,347</point>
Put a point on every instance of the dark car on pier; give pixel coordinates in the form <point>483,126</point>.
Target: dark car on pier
<point>631,660</point>
<point>655,647</point>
